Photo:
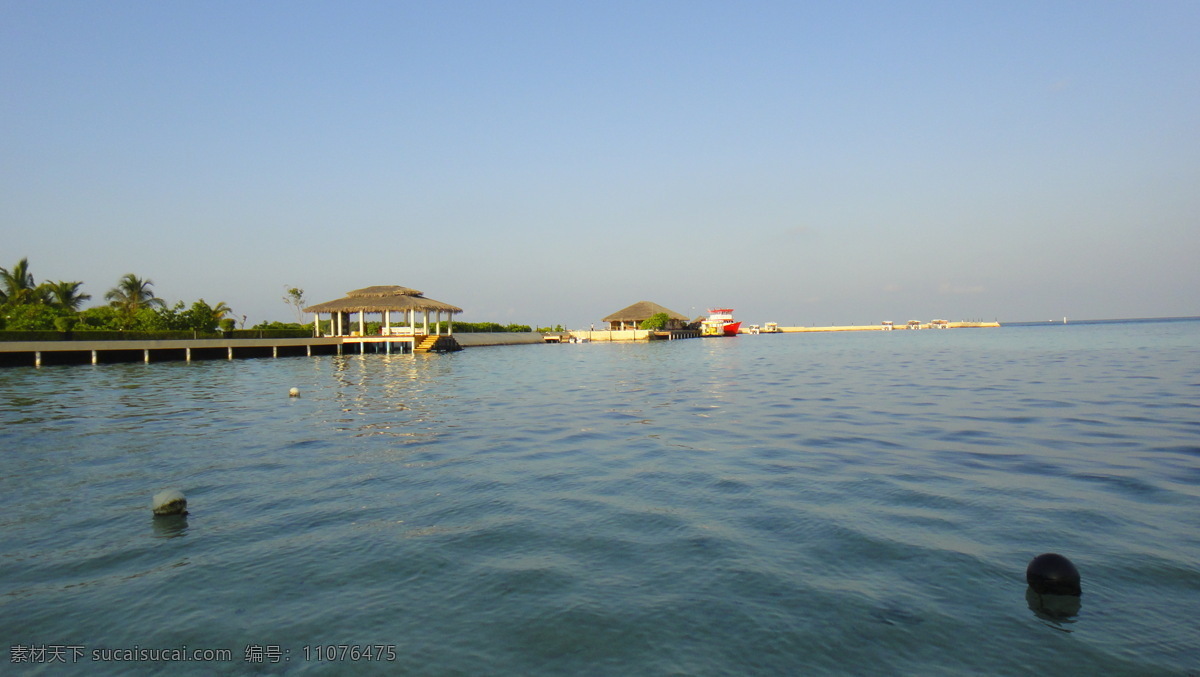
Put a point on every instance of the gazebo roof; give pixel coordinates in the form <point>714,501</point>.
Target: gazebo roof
<point>640,311</point>
<point>384,290</point>
<point>380,298</point>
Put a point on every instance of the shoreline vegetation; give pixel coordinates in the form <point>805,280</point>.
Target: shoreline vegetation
<point>132,306</point>
<point>52,311</point>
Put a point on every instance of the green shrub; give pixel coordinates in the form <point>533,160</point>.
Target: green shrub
<point>300,332</point>
<point>176,335</point>
<point>489,327</point>
<point>291,326</point>
<point>30,335</point>
<point>33,317</point>
<point>656,321</point>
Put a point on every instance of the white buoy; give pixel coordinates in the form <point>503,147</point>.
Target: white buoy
<point>294,392</point>
<point>169,502</point>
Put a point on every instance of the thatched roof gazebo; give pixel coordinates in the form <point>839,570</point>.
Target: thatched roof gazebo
<point>385,300</point>
<point>633,316</point>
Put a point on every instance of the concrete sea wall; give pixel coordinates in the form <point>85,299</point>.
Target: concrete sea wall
<point>500,338</point>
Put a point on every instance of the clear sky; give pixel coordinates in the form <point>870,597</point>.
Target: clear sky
<point>552,162</point>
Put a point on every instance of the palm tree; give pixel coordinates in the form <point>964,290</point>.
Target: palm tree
<point>65,295</point>
<point>133,293</point>
<point>16,286</point>
<point>220,311</point>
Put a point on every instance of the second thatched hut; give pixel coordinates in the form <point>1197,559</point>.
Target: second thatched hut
<point>633,316</point>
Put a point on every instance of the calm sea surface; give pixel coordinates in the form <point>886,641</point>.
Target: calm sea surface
<point>850,503</point>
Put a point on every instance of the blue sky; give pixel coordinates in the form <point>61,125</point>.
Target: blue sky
<point>551,162</point>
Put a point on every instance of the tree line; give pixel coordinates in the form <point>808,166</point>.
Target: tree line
<point>131,306</point>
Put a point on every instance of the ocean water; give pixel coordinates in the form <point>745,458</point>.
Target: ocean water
<point>850,503</point>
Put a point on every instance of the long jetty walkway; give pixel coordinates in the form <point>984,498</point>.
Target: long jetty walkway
<point>38,353</point>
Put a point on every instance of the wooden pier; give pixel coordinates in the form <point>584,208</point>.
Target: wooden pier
<point>39,353</point>
<point>673,334</point>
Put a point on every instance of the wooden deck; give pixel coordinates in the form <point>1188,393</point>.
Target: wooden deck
<point>38,353</point>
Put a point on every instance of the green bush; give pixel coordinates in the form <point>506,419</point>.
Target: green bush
<point>656,321</point>
<point>30,335</point>
<point>108,335</point>
<point>272,333</point>
<point>177,335</point>
<point>281,326</point>
<point>489,327</point>
<point>116,319</point>
<point>33,317</point>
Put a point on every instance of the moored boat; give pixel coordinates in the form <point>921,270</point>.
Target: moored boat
<point>720,322</point>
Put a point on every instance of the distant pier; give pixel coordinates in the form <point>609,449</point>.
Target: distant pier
<point>898,327</point>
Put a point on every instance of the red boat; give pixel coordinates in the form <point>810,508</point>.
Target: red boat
<point>720,322</point>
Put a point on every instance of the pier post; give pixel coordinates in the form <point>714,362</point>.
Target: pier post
<point>187,354</point>
<point>37,358</point>
<point>308,349</point>
<point>230,349</point>
<point>95,357</point>
<point>146,355</point>
<point>274,351</point>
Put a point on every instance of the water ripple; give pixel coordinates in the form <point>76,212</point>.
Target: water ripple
<point>793,504</point>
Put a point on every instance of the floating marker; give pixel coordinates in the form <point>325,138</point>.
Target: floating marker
<point>294,392</point>
<point>169,502</point>
<point>1053,574</point>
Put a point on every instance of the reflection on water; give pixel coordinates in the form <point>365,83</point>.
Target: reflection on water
<point>170,526</point>
<point>1056,610</point>
<point>796,504</point>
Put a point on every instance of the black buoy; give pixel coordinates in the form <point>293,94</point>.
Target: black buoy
<point>1053,574</point>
